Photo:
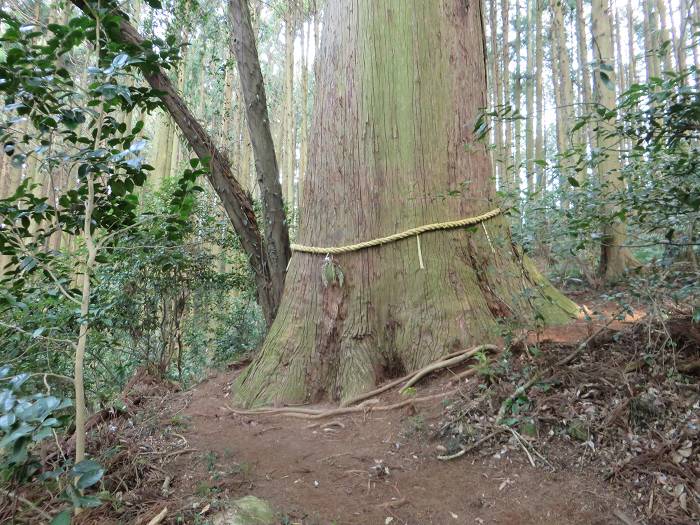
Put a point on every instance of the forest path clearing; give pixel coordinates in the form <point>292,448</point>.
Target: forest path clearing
<point>328,473</point>
<point>376,467</point>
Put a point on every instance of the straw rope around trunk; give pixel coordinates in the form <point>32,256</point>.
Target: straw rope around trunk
<point>335,250</point>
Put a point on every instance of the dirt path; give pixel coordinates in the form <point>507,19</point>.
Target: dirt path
<point>374,468</point>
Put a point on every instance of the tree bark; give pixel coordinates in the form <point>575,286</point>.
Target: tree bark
<point>400,86</point>
<point>632,74</point>
<point>650,47</point>
<point>565,106</point>
<point>289,149</point>
<point>584,68</point>
<point>494,89</point>
<point>506,177</point>
<point>268,260</point>
<point>533,9</point>
<point>250,75</point>
<point>517,102</point>
<point>663,36</point>
<point>614,258</point>
<point>304,139</point>
<point>541,182</point>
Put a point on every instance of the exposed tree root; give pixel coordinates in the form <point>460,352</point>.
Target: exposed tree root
<point>411,379</point>
<point>445,363</point>
<point>321,414</point>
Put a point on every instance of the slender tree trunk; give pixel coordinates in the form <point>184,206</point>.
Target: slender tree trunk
<point>621,81</point>
<point>630,44</point>
<point>586,134</point>
<point>495,91</point>
<point>614,258</point>
<point>565,108</point>
<point>289,149</point>
<point>400,85</point>
<point>268,260</point>
<point>506,177</point>
<point>164,149</point>
<point>276,231</point>
<point>517,99</point>
<point>181,67</point>
<point>650,48</point>
<point>533,9</point>
<point>677,36</point>
<point>539,101</point>
<point>664,40</point>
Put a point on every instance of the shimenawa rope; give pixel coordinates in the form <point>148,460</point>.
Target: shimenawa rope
<point>335,250</point>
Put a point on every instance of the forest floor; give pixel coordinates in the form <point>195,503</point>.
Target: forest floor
<point>606,439</point>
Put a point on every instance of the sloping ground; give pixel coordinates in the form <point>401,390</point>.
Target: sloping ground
<point>602,453</point>
<point>608,438</point>
<point>371,468</point>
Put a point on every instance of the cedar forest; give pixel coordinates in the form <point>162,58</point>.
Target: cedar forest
<point>350,261</point>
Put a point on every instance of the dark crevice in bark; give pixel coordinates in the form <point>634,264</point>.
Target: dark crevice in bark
<point>497,306</point>
<point>328,343</point>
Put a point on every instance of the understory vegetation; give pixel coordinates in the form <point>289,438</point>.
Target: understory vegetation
<point>125,276</point>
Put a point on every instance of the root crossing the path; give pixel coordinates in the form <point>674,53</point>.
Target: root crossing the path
<point>366,401</point>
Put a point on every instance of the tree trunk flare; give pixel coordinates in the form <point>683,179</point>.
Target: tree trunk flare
<point>400,87</point>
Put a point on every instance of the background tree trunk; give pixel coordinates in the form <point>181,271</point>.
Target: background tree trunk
<point>506,177</point>
<point>614,259</point>
<point>400,87</point>
<point>268,260</point>
<point>289,149</point>
<point>584,68</point>
<point>539,99</point>
<point>565,105</point>
<point>533,8</point>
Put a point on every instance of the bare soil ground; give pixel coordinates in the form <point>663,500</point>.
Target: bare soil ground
<point>375,468</point>
<point>609,439</point>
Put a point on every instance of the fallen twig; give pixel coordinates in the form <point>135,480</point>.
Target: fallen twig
<point>471,447</point>
<point>159,517</point>
<point>537,377</point>
<point>41,512</point>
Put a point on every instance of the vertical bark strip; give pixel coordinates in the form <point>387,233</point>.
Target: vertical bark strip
<point>565,106</point>
<point>539,100</point>
<point>505,97</point>
<point>614,258</point>
<point>275,227</point>
<point>400,86</point>
<point>532,11</point>
<point>585,71</point>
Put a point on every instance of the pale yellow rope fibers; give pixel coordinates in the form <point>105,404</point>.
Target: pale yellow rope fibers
<point>335,250</point>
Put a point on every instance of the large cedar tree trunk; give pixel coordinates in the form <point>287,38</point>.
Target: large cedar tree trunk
<point>400,86</point>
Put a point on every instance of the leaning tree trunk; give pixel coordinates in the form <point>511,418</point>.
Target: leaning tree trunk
<point>400,87</point>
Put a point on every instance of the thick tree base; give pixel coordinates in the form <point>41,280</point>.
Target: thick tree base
<point>336,338</point>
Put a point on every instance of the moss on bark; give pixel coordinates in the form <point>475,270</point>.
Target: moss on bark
<point>400,86</point>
